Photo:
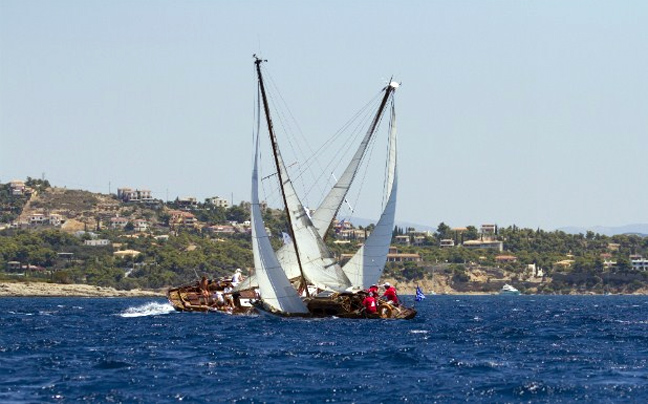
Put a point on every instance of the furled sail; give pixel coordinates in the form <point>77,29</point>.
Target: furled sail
<point>274,287</point>
<point>367,264</point>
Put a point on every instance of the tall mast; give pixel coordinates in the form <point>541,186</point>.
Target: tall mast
<point>275,152</point>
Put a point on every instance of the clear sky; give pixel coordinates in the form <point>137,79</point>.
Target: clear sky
<point>510,112</point>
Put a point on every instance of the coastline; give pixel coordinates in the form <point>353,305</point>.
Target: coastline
<point>44,289</point>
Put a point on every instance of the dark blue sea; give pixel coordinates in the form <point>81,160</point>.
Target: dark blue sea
<point>458,349</point>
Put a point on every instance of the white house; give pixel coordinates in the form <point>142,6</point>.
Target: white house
<point>217,201</point>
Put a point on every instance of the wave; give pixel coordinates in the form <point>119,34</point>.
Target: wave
<point>148,309</point>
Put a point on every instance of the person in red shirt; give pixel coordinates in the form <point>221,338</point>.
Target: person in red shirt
<point>390,294</point>
<point>373,289</point>
<point>369,304</point>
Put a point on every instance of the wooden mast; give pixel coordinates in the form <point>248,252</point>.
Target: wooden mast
<point>275,151</point>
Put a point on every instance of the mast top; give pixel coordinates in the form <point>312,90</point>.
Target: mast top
<point>258,60</point>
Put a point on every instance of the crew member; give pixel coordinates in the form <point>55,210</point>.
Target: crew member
<point>373,289</point>
<point>369,303</point>
<point>237,277</point>
<point>390,294</point>
<point>204,289</point>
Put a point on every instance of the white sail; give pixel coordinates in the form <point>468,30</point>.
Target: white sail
<point>319,266</point>
<point>274,287</point>
<point>367,264</point>
<point>331,204</point>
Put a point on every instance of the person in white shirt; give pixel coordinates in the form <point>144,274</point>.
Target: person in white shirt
<point>237,277</point>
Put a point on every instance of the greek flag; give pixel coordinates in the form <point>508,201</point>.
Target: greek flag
<point>419,294</point>
<point>286,238</point>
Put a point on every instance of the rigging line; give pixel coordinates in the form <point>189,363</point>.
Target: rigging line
<point>341,131</point>
<point>359,131</point>
<point>305,168</point>
<point>285,121</point>
<point>315,158</point>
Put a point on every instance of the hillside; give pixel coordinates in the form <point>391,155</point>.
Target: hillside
<point>75,236</point>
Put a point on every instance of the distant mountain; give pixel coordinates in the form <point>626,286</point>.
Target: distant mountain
<point>639,229</point>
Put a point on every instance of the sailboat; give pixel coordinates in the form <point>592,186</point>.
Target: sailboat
<point>307,261</point>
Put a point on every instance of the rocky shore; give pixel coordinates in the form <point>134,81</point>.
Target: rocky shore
<point>44,289</point>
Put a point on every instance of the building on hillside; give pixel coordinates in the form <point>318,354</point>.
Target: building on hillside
<point>97,242</point>
<point>342,225</point>
<point>17,187</point>
<point>395,256</point>
<point>419,240</point>
<point>613,246</point>
<point>446,243</point>
<point>187,202</point>
<point>484,244</point>
<point>13,266</point>
<point>218,202</point>
<point>392,256</point>
<point>639,263</point>
<point>352,234</point>
<point>221,229</point>
<point>488,231</point>
<point>402,239</point>
<point>118,222</point>
<point>140,225</point>
<point>505,259</point>
<point>181,218</point>
<point>55,219</point>
<point>135,195</point>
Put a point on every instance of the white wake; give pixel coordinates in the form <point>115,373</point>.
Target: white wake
<point>149,309</point>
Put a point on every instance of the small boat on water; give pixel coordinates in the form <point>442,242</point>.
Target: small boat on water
<point>215,295</point>
<point>509,290</point>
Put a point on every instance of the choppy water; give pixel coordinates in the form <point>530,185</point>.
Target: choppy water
<point>458,349</point>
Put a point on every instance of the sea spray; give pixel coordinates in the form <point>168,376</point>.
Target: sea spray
<point>148,309</point>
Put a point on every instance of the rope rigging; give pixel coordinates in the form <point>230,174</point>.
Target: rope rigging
<point>314,173</point>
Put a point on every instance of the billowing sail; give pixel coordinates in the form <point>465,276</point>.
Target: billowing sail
<point>319,267</point>
<point>367,264</point>
<point>274,287</point>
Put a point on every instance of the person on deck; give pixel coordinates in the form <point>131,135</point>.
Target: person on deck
<point>369,304</point>
<point>373,289</point>
<point>204,288</point>
<point>237,277</point>
<point>390,294</point>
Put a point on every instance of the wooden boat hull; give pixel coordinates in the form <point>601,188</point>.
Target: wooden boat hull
<point>192,298</point>
<point>345,305</point>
